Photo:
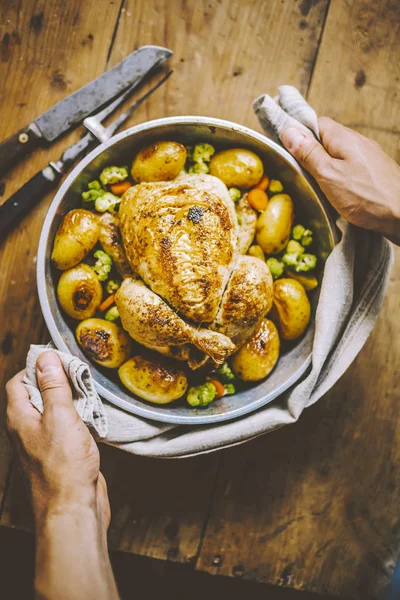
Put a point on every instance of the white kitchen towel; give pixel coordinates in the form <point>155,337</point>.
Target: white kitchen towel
<point>352,291</point>
<point>86,400</point>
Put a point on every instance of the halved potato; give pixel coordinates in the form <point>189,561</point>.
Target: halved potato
<point>256,359</point>
<point>158,381</point>
<point>79,292</point>
<point>237,167</point>
<point>162,161</point>
<point>76,236</point>
<point>104,342</point>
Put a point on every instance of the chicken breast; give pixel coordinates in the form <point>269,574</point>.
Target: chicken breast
<point>182,241</point>
<point>151,322</point>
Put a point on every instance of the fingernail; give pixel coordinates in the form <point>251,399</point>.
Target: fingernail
<point>48,361</point>
<point>292,137</point>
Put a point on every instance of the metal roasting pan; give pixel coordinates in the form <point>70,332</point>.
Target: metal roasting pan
<point>310,206</point>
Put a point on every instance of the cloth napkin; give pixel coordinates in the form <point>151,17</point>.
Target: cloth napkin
<point>352,291</point>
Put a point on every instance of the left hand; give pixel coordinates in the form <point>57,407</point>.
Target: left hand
<point>59,457</point>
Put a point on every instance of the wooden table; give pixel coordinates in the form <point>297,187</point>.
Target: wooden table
<point>313,506</point>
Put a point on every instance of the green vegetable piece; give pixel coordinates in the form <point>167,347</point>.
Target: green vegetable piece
<point>307,238</point>
<point>293,247</point>
<point>112,314</point>
<point>113,175</point>
<point>235,194</point>
<point>275,186</point>
<point>203,152</point>
<point>225,372</point>
<point>199,167</point>
<point>292,259</point>
<point>276,267</point>
<point>107,201</point>
<point>239,220</point>
<point>112,286</point>
<point>94,185</point>
<point>92,195</point>
<point>229,389</point>
<point>201,395</point>
<point>103,264</point>
<point>307,263</point>
<point>297,232</point>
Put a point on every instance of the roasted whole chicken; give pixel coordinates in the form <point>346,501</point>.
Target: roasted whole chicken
<point>193,295</point>
<point>185,253</point>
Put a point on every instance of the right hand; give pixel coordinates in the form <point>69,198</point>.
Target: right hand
<point>357,177</point>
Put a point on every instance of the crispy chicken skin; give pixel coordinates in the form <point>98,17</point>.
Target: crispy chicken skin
<point>182,242</point>
<point>151,322</point>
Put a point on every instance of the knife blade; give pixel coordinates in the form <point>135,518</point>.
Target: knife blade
<point>74,108</point>
<point>41,183</point>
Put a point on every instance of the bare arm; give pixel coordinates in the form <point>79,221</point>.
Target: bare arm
<point>69,495</point>
<point>357,177</point>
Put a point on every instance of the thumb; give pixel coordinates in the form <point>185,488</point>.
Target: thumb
<point>306,150</point>
<point>52,380</point>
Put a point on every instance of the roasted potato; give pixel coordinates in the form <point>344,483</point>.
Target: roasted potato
<point>292,308</point>
<point>256,359</point>
<point>309,282</point>
<point>79,292</point>
<point>158,381</point>
<point>76,236</point>
<point>274,224</point>
<point>104,342</point>
<point>162,161</point>
<point>256,251</point>
<point>237,167</point>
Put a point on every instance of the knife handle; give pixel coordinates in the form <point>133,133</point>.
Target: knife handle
<point>26,197</point>
<point>14,148</point>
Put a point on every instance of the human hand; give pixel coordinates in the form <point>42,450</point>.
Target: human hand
<point>59,457</point>
<point>357,177</point>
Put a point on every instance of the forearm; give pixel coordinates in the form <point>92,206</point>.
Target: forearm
<point>72,558</point>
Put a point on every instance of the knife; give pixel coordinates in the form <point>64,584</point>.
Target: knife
<point>73,109</point>
<point>41,183</point>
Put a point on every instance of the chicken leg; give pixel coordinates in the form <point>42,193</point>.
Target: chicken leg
<point>152,322</point>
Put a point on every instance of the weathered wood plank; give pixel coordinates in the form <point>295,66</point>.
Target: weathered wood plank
<point>226,51</point>
<point>159,507</point>
<point>315,506</point>
<point>48,49</point>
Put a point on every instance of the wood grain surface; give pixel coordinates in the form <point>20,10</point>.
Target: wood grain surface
<point>313,506</point>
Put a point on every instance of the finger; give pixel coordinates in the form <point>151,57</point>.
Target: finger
<point>20,410</point>
<point>53,382</point>
<point>337,139</point>
<point>306,150</point>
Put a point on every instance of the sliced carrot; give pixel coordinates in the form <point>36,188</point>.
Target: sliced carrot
<point>257,198</point>
<point>219,388</point>
<point>107,303</point>
<point>120,188</point>
<point>263,183</point>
